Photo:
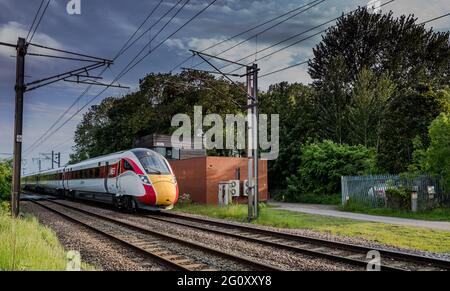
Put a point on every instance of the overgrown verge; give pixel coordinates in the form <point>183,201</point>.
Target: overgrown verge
<point>26,245</point>
<point>437,214</point>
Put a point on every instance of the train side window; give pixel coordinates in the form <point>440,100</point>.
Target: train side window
<point>127,166</point>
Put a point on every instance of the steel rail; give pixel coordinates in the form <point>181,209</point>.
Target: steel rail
<point>429,262</point>
<point>397,255</point>
<point>240,259</point>
<point>123,242</point>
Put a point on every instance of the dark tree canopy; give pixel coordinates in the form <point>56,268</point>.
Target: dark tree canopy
<point>294,104</point>
<point>408,116</point>
<point>384,44</point>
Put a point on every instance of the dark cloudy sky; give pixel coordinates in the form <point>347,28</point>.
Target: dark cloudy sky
<point>105,25</point>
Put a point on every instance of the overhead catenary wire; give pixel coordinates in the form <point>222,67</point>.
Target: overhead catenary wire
<point>239,34</point>
<point>297,35</point>
<point>175,32</point>
<point>305,62</point>
<point>121,74</point>
<point>119,53</point>
<point>34,20</point>
<point>122,50</point>
<point>436,18</point>
<point>158,21</point>
<point>40,19</point>
<point>61,57</point>
<point>223,74</point>
<point>68,52</point>
<point>310,6</point>
<point>160,30</point>
<point>284,69</point>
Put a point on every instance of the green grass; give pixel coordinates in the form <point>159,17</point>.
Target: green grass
<point>25,245</point>
<point>398,236</point>
<point>437,214</point>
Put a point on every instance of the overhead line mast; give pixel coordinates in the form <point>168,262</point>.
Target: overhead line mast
<point>252,106</point>
<point>128,68</point>
<point>122,50</point>
<point>20,89</point>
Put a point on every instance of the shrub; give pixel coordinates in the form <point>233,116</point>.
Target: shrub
<point>434,160</point>
<point>398,198</point>
<point>437,157</point>
<point>185,199</point>
<point>321,167</point>
<point>5,180</point>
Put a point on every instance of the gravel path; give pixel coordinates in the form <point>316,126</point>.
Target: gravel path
<point>326,210</point>
<point>95,249</point>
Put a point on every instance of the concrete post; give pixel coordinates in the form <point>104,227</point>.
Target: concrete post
<point>414,198</point>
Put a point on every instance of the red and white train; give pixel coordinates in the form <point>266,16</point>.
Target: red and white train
<point>138,178</point>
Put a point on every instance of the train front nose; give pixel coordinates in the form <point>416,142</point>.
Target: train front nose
<point>166,189</point>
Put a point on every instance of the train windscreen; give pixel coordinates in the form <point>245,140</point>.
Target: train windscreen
<point>152,163</point>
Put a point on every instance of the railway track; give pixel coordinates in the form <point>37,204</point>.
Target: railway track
<point>151,243</point>
<point>351,254</point>
<point>332,250</point>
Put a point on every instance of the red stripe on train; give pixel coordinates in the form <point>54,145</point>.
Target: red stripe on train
<point>149,197</point>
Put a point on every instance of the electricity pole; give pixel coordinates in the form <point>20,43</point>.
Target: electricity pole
<point>251,210</point>
<point>252,153</point>
<point>18,122</point>
<point>82,77</point>
<point>252,124</point>
<point>255,141</point>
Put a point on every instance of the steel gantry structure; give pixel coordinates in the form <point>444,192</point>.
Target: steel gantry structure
<point>80,75</point>
<point>252,105</point>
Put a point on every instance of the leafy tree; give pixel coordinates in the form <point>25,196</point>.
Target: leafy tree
<point>359,61</point>
<point>407,116</point>
<point>382,44</point>
<point>115,124</point>
<point>332,101</point>
<point>322,165</point>
<point>437,157</point>
<point>90,136</point>
<point>369,98</point>
<point>5,179</point>
<point>294,104</point>
<point>417,166</point>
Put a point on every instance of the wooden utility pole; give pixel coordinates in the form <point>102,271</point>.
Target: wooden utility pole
<point>18,125</point>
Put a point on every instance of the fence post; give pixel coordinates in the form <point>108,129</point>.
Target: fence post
<point>414,197</point>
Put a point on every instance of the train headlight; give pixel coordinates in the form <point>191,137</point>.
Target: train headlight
<point>144,179</point>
